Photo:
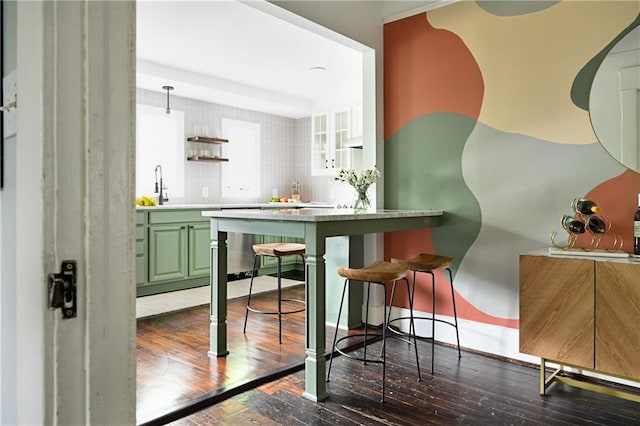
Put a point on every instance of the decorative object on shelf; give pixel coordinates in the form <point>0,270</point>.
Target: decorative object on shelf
<point>586,220</point>
<point>167,88</point>
<point>295,191</point>
<point>360,183</point>
<point>203,155</point>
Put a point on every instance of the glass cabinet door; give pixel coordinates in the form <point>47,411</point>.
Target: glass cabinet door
<point>341,131</point>
<point>320,147</point>
<point>329,151</point>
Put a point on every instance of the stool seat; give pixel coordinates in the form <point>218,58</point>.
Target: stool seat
<point>377,271</point>
<point>278,249</point>
<point>425,262</point>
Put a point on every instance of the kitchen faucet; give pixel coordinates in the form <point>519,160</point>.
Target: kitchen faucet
<point>160,187</point>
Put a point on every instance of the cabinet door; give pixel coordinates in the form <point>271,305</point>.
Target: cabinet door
<point>341,153</point>
<point>167,252</point>
<point>556,309</point>
<point>320,148</point>
<point>199,249</point>
<point>141,258</point>
<point>617,314</point>
<point>329,134</point>
<point>141,248</point>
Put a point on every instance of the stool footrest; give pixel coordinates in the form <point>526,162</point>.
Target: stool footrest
<point>371,338</point>
<point>257,311</point>
<point>406,333</point>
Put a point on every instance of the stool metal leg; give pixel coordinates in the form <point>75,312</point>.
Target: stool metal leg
<point>279,300</point>
<point>246,312</point>
<point>366,322</point>
<point>335,335</point>
<point>384,346</point>
<point>412,327</point>
<point>455,314</point>
<point>433,319</point>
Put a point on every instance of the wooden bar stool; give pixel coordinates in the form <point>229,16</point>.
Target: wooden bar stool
<point>277,250</point>
<point>376,273</point>
<point>428,263</point>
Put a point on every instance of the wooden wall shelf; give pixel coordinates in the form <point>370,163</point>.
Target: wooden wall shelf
<point>207,139</point>
<point>208,159</point>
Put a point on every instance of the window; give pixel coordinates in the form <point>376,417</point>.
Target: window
<point>241,175</point>
<point>159,141</point>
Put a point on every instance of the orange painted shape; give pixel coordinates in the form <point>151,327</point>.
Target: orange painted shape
<point>427,70</point>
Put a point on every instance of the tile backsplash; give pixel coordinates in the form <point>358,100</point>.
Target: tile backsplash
<point>286,152</point>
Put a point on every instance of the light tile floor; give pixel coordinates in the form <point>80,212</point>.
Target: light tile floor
<point>156,304</point>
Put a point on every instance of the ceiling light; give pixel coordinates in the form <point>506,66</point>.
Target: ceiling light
<point>319,68</point>
<point>168,88</point>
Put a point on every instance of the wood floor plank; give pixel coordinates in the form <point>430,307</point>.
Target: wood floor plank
<point>173,368</point>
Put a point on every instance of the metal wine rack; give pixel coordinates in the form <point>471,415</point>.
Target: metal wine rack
<point>584,224</point>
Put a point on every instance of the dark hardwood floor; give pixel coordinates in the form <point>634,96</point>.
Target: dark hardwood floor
<point>173,369</point>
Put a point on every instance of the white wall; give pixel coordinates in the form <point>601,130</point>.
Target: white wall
<point>286,145</point>
<point>361,21</point>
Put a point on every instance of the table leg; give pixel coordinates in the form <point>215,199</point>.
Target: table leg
<point>218,326</point>
<point>315,362</point>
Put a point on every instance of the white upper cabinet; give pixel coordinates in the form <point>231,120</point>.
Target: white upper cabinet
<point>329,135</point>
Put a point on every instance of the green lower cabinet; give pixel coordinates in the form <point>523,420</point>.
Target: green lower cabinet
<point>199,250</point>
<point>172,251</point>
<point>167,254</point>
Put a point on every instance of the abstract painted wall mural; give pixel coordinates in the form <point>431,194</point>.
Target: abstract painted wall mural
<point>485,118</point>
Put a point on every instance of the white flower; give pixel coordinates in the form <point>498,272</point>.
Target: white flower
<point>359,181</point>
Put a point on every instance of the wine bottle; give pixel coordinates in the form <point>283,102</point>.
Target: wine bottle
<point>596,225</point>
<point>636,230</point>
<point>573,225</point>
<point>586,207</point>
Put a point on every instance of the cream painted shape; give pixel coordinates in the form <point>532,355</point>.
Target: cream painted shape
<point>529,62</point>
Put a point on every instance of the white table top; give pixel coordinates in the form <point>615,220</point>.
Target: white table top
<point>318,214</point>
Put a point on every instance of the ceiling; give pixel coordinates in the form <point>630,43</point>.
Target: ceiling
<point>231,53</point>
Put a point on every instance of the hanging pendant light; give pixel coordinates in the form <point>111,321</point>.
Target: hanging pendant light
<point>168,88</point>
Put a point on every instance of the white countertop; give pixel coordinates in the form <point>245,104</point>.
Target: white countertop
<point>318,214</point>
<point>312,204</point>
<point>599,255</point>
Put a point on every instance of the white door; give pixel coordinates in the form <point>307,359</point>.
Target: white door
<point>69,195</point>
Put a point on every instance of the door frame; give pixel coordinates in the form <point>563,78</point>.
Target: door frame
<point>69,195</point>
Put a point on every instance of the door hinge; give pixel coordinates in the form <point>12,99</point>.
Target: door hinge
<point>62,289</point>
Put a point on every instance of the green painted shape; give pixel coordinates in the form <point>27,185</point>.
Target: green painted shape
<point>423,170</point>
<point>581,88</point>
<point>514,8</point>
<point>10,36</point>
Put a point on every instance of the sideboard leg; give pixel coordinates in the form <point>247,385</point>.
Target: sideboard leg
<point>543,369</point>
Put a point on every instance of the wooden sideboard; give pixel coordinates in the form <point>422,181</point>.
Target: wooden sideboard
<point>582,313</point>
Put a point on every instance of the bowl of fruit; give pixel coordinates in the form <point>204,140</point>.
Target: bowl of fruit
<point>145,201</point>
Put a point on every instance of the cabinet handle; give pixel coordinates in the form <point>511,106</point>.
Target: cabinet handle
<point>326,164</point>
<point>333,163</point>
